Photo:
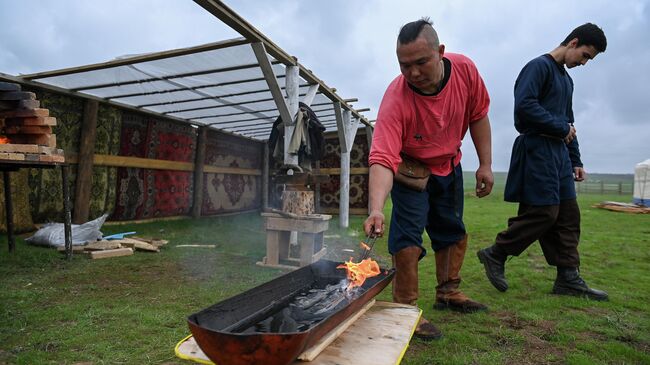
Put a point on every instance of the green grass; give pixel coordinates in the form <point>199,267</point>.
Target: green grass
<point>133,310</point>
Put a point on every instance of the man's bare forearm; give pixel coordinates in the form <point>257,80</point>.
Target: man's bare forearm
<point>482,138</point>
<point>380,184</point>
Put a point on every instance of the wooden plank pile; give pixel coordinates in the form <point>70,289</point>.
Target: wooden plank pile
<point>115,248</point>
<point>25,127</point>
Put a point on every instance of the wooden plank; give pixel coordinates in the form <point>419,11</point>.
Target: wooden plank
<point>337,171</point>
<point>16,147</point>
<point>300,225</point>
<point>138,245</point>
<point>102,245</point>
<point>272,247</point>
<point>125,251</point>
<point>144,163</point>
<point>366,342</point>
<point>12,156</point>
<point>311,353</point>
<point>49,121</point>
<point>28,129</point>
<point>9,86</point>
<point>48,140</point>
<point>143,58</point>
<point>17,95</point>
<point>231,170</point>
<point>51,158</point>
<point>340,126</point>
<point>199,162</point>
<point>272,81</point>
<point>369,132</point>
<point>84,181</point>
<point>21,113</point>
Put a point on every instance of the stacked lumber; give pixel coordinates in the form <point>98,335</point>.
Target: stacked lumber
<point>25,127</point>
<point>623,207</point>
<point>115,248</point>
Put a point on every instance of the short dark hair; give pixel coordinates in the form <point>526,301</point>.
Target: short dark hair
<point>410,31</point>
<point>588,34</point>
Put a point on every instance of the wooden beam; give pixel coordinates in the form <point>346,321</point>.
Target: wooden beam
<point>198,171</point>
<point>265,176</point>
<point>362,110</point>
<point>311,93</point>
<point>351,129</point>
<point>340,126</point>
<point>271,81</point>
<point>236,22</point>
<point>369,132</point>
<point>137,59</point>
<point>84,180</point>
<point>351,100</point>
<point>292,82</point>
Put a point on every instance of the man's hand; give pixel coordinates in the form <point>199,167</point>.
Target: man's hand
<point>571,135</point>
<point>579,174</point>
<point>374,224</point>
<point>484,181</point>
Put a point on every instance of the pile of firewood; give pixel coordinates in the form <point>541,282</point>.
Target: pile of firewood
<point>25,127</point>
<point>115,248</point>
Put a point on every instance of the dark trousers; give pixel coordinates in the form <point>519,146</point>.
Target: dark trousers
<point>557,227</point>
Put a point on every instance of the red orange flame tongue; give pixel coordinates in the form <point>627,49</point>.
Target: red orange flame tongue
<point>4,140</point>
<point>358,272</point>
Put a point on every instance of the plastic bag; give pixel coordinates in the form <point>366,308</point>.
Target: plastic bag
<point>53,234</point>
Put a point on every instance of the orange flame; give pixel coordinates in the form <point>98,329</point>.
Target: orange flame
<point>4,140</point>
<point>358,272</point>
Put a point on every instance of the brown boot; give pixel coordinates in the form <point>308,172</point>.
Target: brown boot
<point>405,288</point>
<point>448,263</point>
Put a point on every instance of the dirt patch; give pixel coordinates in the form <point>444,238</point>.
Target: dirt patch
<point>536,335</point>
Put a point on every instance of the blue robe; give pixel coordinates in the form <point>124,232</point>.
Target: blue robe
<point>541,164</point>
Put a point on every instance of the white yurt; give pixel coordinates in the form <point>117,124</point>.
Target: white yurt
<point>642,183</point>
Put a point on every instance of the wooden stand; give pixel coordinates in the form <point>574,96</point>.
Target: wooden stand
<point>310,230</point>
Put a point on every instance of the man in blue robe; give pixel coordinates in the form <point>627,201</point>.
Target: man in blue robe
<point>544,164</point>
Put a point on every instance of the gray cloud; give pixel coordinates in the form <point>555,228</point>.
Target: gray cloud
<point>351,46</point>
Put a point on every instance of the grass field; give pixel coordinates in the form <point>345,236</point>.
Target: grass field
<point>132,310</point>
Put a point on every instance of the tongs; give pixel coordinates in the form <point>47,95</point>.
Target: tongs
<point>370,242</point>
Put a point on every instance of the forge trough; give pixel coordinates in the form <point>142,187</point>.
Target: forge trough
<point>235,331</point>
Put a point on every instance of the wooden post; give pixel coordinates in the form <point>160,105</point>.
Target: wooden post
<point>84,181</point>
<point>369,136</point>
<point>344,178</point>
<point>265,177</point>
<point>317,208</point>
<point>199,162</point>
<point>311,93</point>
<point>292,87</point>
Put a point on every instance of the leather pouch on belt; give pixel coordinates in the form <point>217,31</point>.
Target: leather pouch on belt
<point>412,173</point>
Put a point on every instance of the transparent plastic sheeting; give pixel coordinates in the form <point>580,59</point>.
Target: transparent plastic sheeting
<point>196,87</point>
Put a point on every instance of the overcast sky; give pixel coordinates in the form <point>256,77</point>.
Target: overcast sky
<point>351,46</point>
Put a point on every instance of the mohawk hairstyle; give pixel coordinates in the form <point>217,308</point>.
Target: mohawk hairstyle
<point>410,31</point>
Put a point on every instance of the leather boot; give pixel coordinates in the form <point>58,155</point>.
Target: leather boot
<point>405,288</point>
<point>569,282</point>
<point>448,263</point>
<point>493,259</point>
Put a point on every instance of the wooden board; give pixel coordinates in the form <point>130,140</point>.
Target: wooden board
<point>111,253</point>
<point>379,337</point>
<point>51,121</point>
<point>19,148</point>
<point>20,113</point>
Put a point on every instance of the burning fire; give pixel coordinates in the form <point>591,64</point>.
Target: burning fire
<point>359,272</point>
<point>4,140</point>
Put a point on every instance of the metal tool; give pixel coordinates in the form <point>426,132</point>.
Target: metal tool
<point>370,242</point>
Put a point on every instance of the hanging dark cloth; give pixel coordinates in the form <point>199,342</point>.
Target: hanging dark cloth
<point>312,148</point>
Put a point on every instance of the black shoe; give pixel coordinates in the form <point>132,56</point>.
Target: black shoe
<point>494,262</point>
<point>569,282</point>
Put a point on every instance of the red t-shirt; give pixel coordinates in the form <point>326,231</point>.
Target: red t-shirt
<point>445,117</point>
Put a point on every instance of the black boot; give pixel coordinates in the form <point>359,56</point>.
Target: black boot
<point>569,282</point>
<point>494,259</point>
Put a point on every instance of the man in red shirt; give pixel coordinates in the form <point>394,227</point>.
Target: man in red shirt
<point>425,114</point>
